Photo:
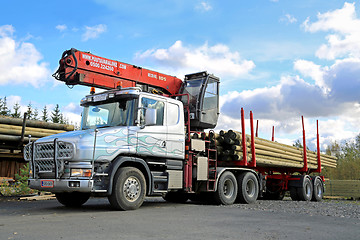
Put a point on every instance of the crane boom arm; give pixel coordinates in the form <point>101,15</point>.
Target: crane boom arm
<point>84,68</point>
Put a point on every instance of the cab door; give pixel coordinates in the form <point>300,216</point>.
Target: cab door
<point>175,140</point>
<point>151,139</point>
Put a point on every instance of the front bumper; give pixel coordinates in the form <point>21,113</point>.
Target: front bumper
<point>62,185</point>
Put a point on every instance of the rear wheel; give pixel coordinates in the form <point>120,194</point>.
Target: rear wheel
<point>227,189</point>
<point>306,191</point>
<point>128,190</point>
<point>248,187</point>
<point>318,190</point>
<point>72,199</point>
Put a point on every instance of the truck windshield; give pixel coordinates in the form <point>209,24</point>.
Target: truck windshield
<point>109,114</point>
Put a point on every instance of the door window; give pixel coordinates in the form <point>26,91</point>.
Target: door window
<point>147,103</point>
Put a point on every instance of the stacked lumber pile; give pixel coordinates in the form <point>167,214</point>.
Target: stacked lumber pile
<point>268,153</point>
<point>14,133</point>
<point>11,129</point>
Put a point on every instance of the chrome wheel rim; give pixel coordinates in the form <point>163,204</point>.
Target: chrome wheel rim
<point>319,190</point>
<point>250,188</point>
<point>308,190</point>
<point>132,189</point>
<point>228,188</point>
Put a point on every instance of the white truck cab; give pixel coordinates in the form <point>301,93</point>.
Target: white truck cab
<point>119,127</point>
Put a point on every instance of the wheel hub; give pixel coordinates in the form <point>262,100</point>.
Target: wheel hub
<point>132,189</point>
<point>228,188</point>
<point>250,188</point>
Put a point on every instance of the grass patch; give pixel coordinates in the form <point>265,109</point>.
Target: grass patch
<point>19,187</point>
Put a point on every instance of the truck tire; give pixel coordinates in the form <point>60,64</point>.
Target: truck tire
<point>305,192</point>
<point>176,197</point>
<point>318,190</point>
<point>293,194</point>
<point>226,189</point>
<point>248,187</point>
<point>72,199</point>
<point>128,190</point>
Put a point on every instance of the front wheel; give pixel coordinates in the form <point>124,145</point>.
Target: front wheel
<point>72,199</point>
<point>128,190</point>
<point>227,189</point>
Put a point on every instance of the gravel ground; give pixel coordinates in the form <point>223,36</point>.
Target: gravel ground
<point>334,208</point>
<point>156,219</point>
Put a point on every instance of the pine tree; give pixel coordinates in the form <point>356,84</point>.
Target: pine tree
<point>35,114</point>
<point>3,107</point>
<point>44,116</point>
<point>56,115</point>
<point>17,112</point>
<point>29,111</point>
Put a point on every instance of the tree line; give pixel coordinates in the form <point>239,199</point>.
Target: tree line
<point>348,160</point>
<point>54,116</point>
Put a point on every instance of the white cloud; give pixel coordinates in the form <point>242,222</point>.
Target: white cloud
<point>287,18</point>
<point>283,104</point>
<point>204,6</point>
<point>310,69</point>
<point>20,62</point>
<point>180,59</point>
<point>344,40</point>
<point>93,32</point>
<point>61,27</point>
<point>333,96</point>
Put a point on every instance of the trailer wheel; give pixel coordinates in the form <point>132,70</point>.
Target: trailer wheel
<point>318,190</point>
<point>128,190</point>
<point>306,191</point>
<point>293,194</point>
<point>176,197</point>
<point>227,189</point>
<point>72,199</point>
<point>248,187</point>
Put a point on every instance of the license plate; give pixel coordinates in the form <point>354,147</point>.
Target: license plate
<point>47,183</point>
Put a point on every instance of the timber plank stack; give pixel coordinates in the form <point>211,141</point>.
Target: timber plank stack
<point>14,134</point>
<point>267,153</point>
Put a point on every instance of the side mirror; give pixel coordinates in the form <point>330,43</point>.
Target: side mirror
<point>150,116</point>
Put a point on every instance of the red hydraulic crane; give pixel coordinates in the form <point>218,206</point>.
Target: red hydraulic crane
<point>84,68</point>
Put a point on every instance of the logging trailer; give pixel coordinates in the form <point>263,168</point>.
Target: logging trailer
<point>144,136</point>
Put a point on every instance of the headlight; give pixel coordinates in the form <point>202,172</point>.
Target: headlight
<point>79,172</point>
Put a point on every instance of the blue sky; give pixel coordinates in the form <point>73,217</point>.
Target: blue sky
<point>281,59</point>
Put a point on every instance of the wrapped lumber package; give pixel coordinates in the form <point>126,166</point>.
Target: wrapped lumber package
<point>267,153</point>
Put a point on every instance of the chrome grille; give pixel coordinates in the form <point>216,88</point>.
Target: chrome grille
<point>44,155</point>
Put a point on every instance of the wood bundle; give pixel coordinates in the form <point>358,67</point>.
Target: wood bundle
<point>11,129</point>
<point>268,153</point>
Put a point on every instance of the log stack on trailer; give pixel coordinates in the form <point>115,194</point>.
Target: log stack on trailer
<point>15,133</point>
<point>267,153</point>
<point>279,167</point>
